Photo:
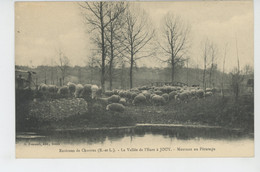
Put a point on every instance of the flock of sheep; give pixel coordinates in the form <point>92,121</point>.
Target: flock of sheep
<point>116,100</point>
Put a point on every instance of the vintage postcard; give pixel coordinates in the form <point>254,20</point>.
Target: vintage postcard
<point>134,79</point>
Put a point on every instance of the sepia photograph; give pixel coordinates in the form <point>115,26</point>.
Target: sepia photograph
<point>128,79</point>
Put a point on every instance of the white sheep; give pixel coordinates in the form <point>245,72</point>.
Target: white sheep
<point>122,101</point>
<point>94,89</point>
<point>52,88</point>
<point>72,87</point>
<point>78,91</point>
<point>115,107</point>
<point>43,87</point>
<point>158,100</point>
<point>139,99</point>
<point>114,99</point>
<point>166,97</point>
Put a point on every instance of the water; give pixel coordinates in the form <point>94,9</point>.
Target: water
<point>223,142</point>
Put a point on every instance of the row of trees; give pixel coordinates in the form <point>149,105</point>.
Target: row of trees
<point>123,35</point>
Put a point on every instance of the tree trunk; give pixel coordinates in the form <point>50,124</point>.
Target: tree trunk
<point>110,75</point>
<point>111,58</point>
<point>45,78</point>
<point>172,63</point>
<point>122,77</point>
<point>204,73</point>
<point>210,77</point>
<point>103,49</point>
<point>131,71</point>
<point>63,78</point>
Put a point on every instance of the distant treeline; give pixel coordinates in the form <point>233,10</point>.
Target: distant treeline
<point>142,76</point>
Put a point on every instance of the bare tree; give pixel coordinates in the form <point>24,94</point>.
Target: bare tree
<point>206,52</point>
<point>187,67</point>
<point>223,71</point>
<point>97,17</point>
<point>92,63</point>
<point>213,66</point>
<point>248,70</point>
<point>136,35</point>
<point>112,34</point>
<point>52,72</point>
<point>236,78</point>
<point>175,40</point>
<point>63,64</point>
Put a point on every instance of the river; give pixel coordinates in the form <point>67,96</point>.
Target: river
<point>163,140</point>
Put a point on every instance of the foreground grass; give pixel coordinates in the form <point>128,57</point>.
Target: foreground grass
<point>212,111</point>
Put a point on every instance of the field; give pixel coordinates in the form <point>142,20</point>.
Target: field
<point>72,113</point>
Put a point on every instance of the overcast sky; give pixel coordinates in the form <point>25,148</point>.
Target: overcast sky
<point>42,28</point>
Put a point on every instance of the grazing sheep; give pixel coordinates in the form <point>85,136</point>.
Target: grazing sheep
<point>114,99</point>
<point>172,95</point>
<point>173,89</point>
<point>108,93</point>
<point>115,107</point>
<point>134,89</point>
<point>72,87</point>
<point>152,95</point>
<point>94,89</point>
<point>147,95</point>
<point>63,91</point>
<point>166,89</point>
<point>52,88</point>
<point>78,91</point>
<point>158,92</point>
<point>139,99</point>
<point>183,96</point>
<point>158,100</point>
<point>208,90</point>
<point>115,92</point>
<point>122,101</point>
<point>207,94</point>
<point>99,92</point>
<point>43,87</point>
<point>128,95</point>
<point>199,93</point>
<point>133,95</point>
<point>103,101</point>
<point>122,93</point>
<point>87,92</point>
<point>143,88</point>
<point>166,97</point>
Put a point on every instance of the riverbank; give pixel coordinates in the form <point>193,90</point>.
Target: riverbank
<point>66,114</point>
